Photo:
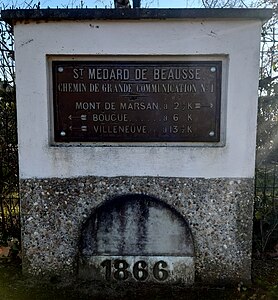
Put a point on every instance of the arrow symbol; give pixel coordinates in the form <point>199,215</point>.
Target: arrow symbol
<point>82,117</point>
<point>198,105</point>
<point>82,128</point>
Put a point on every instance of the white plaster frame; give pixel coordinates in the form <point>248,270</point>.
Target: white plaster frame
<point>236,39</point>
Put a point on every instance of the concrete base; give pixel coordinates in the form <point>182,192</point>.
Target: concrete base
<point>218,212</point>
<point>157,269</point>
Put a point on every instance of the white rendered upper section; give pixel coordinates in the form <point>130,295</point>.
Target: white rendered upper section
<point>236,42</point>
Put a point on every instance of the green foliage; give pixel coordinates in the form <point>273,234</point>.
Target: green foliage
<point>265,236</point>
<point>267,133</point>
<point>266,211</point>
<point>265,285</point>
<point>9,201</point>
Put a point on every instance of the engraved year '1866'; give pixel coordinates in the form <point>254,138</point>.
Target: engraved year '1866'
<point>120,269</point>
<point>137,101</point>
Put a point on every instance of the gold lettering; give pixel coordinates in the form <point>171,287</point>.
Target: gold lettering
<point>115,129</point>
<point>108,74</point>
<point>109,117</point>
<point>107,87</point>
<point>179,88</point>
<point>78,73</point>
<point>123,88</point>
<point>87,105</point>
<point>189,105</point>
<point>156,74</point>
<point>176,74</point>
<point>68,87</point>
<point>197,74</point>
<point>148,88</point>
<point>94,87</point>
<point>109,105</point>
<point>139,106</point>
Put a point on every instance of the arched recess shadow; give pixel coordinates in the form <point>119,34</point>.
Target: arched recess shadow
<point>135,225</point>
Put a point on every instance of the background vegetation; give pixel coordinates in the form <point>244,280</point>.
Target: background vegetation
<point>266,201</point>
<point>9,199</point>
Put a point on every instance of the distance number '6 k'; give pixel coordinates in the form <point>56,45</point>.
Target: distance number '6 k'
<point>120,270</point>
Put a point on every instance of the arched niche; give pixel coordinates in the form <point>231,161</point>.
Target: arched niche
<point>139,231</point>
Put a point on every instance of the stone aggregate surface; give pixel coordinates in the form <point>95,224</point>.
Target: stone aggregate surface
<point>218,212</point>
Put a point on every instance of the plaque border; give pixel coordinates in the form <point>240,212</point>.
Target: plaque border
<point>141,59</point>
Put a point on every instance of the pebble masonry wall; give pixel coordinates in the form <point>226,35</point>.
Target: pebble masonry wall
<point>218,211</point>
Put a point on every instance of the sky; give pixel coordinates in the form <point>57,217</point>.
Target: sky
<point>103,3</point>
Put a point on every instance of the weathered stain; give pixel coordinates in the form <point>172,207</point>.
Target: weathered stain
<point>26,42</point>
<point>136,238</point>
<point>136,225</point>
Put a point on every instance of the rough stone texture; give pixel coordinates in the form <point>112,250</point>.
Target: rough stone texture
<point>218,211</point>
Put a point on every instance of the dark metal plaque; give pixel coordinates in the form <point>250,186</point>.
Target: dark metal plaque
<point>137,101</point>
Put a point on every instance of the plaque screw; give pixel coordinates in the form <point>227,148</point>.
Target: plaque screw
<point>212,69</point>
<point>60,69</point>
<point>62,133</point>
<point>211,133</point>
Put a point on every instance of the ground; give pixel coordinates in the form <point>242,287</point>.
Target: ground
<point>14,286</point>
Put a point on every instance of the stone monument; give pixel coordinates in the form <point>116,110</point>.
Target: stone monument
<point>137,135</point>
